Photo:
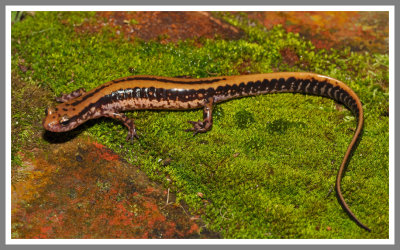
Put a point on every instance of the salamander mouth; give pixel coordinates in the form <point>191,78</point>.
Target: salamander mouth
<point>51,126</point>
<point>54,126</point>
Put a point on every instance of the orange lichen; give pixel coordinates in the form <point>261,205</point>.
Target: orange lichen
<point>160,25</point>
<point>105,153</point>
<point>327,29</point>
<point>62,197</point>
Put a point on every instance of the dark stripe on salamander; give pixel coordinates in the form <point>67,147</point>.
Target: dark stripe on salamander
<point>146,79</point>
<point>89,95</point>
<point>295,85</point>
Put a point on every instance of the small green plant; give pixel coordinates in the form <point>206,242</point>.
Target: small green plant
<point>17,16</point>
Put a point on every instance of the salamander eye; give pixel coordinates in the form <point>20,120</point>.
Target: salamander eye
<point>64,120</point>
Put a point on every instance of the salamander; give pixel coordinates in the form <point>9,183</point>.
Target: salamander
<point>157,93</point>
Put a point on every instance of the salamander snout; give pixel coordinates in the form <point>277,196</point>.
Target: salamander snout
<point>56,121</point>
<point>50,122</point>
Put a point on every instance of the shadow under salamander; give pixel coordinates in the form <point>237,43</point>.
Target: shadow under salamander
<point>62,137</point>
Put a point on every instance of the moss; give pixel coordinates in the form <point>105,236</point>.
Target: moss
<point>281,126</point>
<point>243,119</point>
<point>267,168</point>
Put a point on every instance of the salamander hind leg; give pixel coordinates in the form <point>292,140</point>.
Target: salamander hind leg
<point>206,124</point>
<point>126,121</point>
<point>70,96</point>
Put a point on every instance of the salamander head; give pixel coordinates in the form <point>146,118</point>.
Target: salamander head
<point>57,120</point>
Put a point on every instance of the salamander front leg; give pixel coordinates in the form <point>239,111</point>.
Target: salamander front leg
<point>70,96</point>
<point>126,121</point>
<point>206,124</point>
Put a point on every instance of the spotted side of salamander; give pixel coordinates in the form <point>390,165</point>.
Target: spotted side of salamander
<point>154,92</point>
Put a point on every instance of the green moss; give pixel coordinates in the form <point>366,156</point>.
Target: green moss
<point>268,166</point>
<point>243,119</point>
<point>281,126</point>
